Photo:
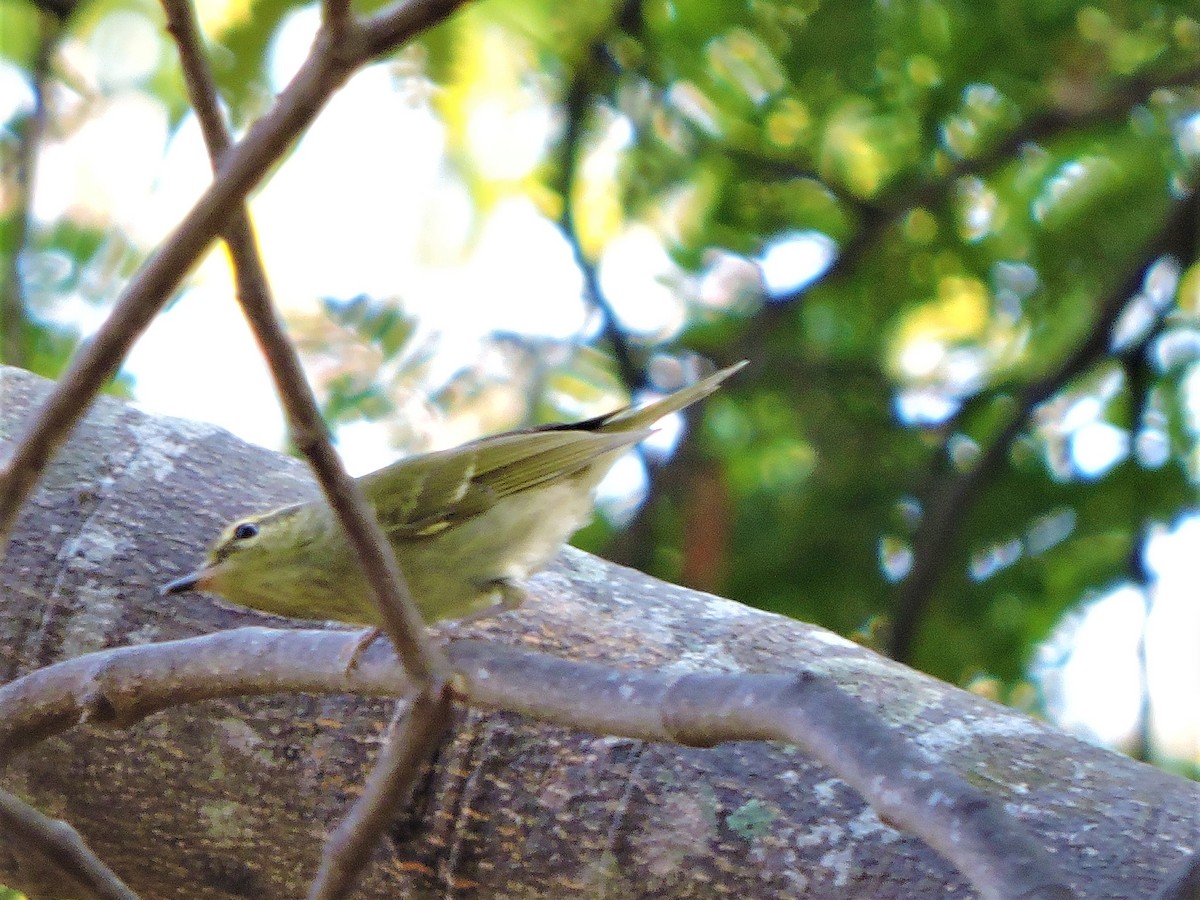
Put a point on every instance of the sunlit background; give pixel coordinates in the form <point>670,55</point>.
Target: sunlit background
<point>423,193</point>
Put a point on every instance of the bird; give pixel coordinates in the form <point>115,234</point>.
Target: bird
<point>467,524</point>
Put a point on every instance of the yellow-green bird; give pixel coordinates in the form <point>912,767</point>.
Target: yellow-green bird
<point>466,524</point>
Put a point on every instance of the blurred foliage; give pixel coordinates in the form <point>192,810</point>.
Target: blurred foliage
<point>957,241</point>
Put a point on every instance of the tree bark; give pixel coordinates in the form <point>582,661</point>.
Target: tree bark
<point>233,799</point>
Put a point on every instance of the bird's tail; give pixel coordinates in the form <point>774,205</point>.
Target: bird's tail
<point>629,419</point>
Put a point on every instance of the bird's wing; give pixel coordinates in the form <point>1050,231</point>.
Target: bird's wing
<point>424,494</point>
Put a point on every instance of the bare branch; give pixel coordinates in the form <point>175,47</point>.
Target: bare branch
<point>967,826</point>
<point>54,857</point>
<point>411,743</point>
<point>390,27</point>
<point>323,72</point>
<point>184,28</point>
<point>405,752</point>
<point>370,545</point>
<point>336,16</point>
<point>123,685</point>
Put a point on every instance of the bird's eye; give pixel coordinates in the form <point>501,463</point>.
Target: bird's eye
<point>245,531</point>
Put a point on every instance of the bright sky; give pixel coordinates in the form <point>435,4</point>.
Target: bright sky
<point>378,216</point>
<point>1091,670</point>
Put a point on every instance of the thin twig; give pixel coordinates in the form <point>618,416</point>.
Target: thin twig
<point>59,847</point>
<point>336,16</point>
<point>309,433</point>
<point>322,73</point>
<point>14,304</point>
<point>395,24</point>
<point>410,744</point>
<point>940,526</point>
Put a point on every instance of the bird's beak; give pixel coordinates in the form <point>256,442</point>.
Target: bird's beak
<point>197,580</point>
